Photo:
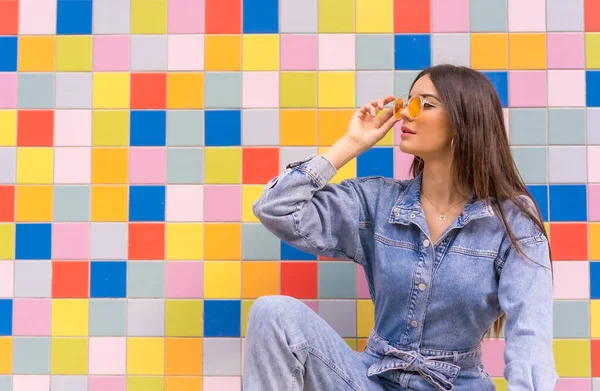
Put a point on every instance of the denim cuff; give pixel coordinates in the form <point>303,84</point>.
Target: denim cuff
<point>317,167</point>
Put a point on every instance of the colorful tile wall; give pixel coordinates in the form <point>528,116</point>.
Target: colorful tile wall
<point>135,135</point>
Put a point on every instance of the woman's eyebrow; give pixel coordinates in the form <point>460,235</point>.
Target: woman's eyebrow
<point>425,96</point>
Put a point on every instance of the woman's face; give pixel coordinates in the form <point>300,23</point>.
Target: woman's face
<point>430,133</point>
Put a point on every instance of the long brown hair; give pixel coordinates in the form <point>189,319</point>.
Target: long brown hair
<point>482,159</point>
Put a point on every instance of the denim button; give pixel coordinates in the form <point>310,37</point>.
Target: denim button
<point>422,287</point>
<point>414,323</point>
<point>412,215</point>
<point>426,243</point>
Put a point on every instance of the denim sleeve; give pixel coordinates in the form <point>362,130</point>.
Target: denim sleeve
<point>304,210</point>
<point>525,294</point>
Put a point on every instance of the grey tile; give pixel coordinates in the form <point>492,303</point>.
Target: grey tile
<point>148,52</point>
<point>566,126</point>
<point>532,163</point>
<point>571,319</point>
<point>528,126</point>
<point>5,383</point>
<point>36,91</point>
<point>564,15</point>
<point>223,89</point>
<point>145,279</point>
<point>221,356</point>
<point>402,82</point>
<point>8,163</point>
<point>185,165</point>
<point>109,241</point>
<point>69,383</point>
<point>568,164</point>
<point>31,356</point>
<point>33,279</point>
<point>593,126</point>
<point>488,15</point>
<point>374,52</point>
<point>596,384</point>
<point>108,317</point>
<point>292,154</point>
<point>71,203</point>
<point>74,90</point>
<point>373,85</point>
<point>185,128</point>
<point>111,16</point>
<point>298,16</point>
<point>340,315</point>
<point>146,317</point>
<point>451,49</point>
<point>337,280</point>
<point>259,243</point>
<point>260,127</point>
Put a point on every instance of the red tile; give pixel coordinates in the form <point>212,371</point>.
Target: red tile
<point>70,279</point>
<point>148,90</point>
<point>592,15</point>
<point>7,203</point>
<point>260,165</point>
<point>223,16</point>
<point>35,128</point>
<point>568,242</point>
<point>412,16</point>
<point>146,241</point>
<point>9,17</point>
<point>299,279</point>
<point>595,357</point>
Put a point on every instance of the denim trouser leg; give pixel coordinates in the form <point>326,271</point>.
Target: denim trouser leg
<point>289,347</point>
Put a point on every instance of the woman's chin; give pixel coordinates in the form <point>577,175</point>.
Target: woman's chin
<point>407,147</point>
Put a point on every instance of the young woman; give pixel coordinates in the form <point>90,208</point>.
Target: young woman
<point>449,255</point>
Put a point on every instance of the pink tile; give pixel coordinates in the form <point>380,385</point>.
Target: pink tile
<point>72,164</point>
<point>565,384</point>
<point>298,52</point>
<point>6,278</point>
<point>72,128</point>
<point>568,276</point>
<point>566,88</point>
<point>31,382</point>
<point>111,53</point>
<point>260,89</point>
<point>70,240</point>
<point>527,88</point>
<point>107,356</point>
<point>186,16</point>
<point>337,51</point>
<point>213,383</point>
<point>312,304</point>
<point>112,383</point>
<point>566,50</point>
<point>593,158</point>
<point>402,163</point>
<point>185,203</point>
<point>186,52</point>
<point>32,317</point>
<point>594,202</point>
<point>493,356</point>
<point>527,15</point>
<point>184,279</point>
<point>8,90</point>
<point>222,203</point>
<point>37,17</point>
<point>362,287</point>
<point>147,165</point>
<point>449,16</point>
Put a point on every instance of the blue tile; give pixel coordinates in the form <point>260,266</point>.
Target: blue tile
<point>8,54</point>
<point>147,203</point>
<point>74,17</point>
<point>412,52</point>
<point>223,128</point>
<point>33,241</point>
<point>568,203</point>
<point>222,318</point>
<point>594,280</point>
<point>108,279</point>
<point>376,161</point>
<point>261,16</point>
<point>540,195</point>
<point>289,253</point>
<point>592,82</point>
<point>148,128</point>
<point>6,316</point>
<point>500,82</point>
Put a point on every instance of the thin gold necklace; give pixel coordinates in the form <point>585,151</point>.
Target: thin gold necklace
<point>442,214</point>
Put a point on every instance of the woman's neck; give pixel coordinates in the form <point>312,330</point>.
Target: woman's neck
<point>439,183</point>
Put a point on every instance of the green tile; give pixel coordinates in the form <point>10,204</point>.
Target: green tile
<point>223,90</point>
<point>528,126</point>
<point>337,280</point>
<point>185,165</point>
<point>108,317</point>
<point>374,52</point>
<point>145,279</point>
<point>185,128</point>
<point>31,356</point>
<point>566,126</point>
<point>259,243</point>
<point>36,91</point>
<point>402,82</point>
<point>571,319</point>
<point>532,163</point>
<point>488,15</point>
<point>71,203</point>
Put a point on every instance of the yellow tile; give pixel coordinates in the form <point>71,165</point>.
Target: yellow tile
<point>110,128</point>
<point>177,383</point>
<point>501,383</point>
<point>336,89</point>
<point>148,16</point>
<point>145,383</point>
<point>489,51</point>
<point>333,124</point>
<point>365,313</point>
<point>250,193</point>
<point>69,356</point>
<point>222,52</point>
<point>594,241</point>
<point>592,50</point>
<point>246,305</point>
<point>351,342</point>
<point>223,165</point>
<point>34,203</point>
<point>260,279</point>
<point>298,89</point>
<point>35,165</point>
<point>346,172</point>
<point>70,317</point>
<point>222,280</point>
<point>185,90</point>
<point>184,318</point>
<point>374,16</point>
<point>7,241</point>
<point>73,53</point>
<point>388,139</point>
<point>595,318</point>
<point>110,203</point>
<point>110,165</point>
<point>8,124</point>
<point>222,241</point>
<point>36,54</point>
<point>260,52</point>
<point>184,241</point>
<point>527,51</point>
<point>297,127</point>
<point>111,90</point>
<point>6,353</point>
<point>572,358</point>
<point>336,16</point>
<point>145,356</point>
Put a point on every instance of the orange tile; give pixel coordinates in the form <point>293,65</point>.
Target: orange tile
<point>222,241</point>
<point>180,383</point>
<point>569,241</point>
<point>332,125</point>
<point>7,203</point>
<point>412,16</point>
<point>148,90</point>
<point>35,128</point>
<point>183,356</point>
<point>259,165</point>
<point>592,15</point>
<point>298,128</point>
<point>9,17</point>
<point>223,16</point>
<point>110,165</point>
<point>146,241</point>
<point>6,353</point>
<point>259,279</point>
<point>110,203</point>
<point>70,279</point>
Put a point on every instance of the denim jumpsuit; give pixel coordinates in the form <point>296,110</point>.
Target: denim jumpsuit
<point>433,302</point>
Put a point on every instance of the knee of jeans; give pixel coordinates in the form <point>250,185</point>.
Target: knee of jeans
<point>269,308</point>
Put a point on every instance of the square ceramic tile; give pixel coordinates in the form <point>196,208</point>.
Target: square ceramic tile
<point>339,314</point>
<point>566,126</point>
<point>593,126</point>
<point>260,127</point>
<point>74,90</point>
<point>374,52</point>
<point>148,52</point>
<point>373,85</point>
<point>298,17</point>
<point>222,356</point>
<point>565,16</point>
<point>451,49</point>
<point>528,126</point>
<point>258,243</point>
<point>488,16</point>
<point>222,89</point>
<point>567,164</point>
<point>532,163</point>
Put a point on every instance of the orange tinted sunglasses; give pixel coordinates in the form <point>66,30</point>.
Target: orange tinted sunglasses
<point>415,105</point>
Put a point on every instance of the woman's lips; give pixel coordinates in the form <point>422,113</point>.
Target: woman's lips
<point>406,130</point>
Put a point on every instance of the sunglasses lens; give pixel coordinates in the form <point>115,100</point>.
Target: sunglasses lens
<point>398,106</point>
<point>414,107</point>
